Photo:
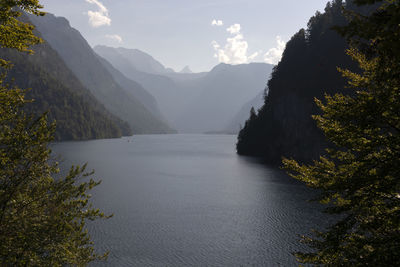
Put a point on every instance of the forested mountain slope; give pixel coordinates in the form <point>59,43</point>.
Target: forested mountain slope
<point>308,69</point>
<point>84,63</point>
<point>56,90</point>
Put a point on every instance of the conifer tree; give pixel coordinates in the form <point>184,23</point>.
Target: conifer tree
<point>359,179</point>
<point>42,219</point>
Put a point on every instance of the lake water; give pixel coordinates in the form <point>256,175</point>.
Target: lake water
<point>189,200</point>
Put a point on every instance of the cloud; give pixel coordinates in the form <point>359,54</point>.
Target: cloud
<point>274,55</point>
<point>100,17</point>
<point>96,19</point>
<point>235,49</point>
<point>216,22</point>
<point>115,37</point>
<point>234,29</point>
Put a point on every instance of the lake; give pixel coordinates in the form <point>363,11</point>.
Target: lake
<point>190,200</point>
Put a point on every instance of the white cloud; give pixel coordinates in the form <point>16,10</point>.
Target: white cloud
<point>100,17</point>
<point>96,19</point>
<point>274,55</point>
<point>234,29</point>
<point>115,37</point>
<point>101,7</point>
<point>216,22</point>
<point>235,49</point>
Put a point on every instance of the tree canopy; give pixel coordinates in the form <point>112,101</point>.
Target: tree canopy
<point>13,32</point>
<point>283,126</point>
<point>359,177</point>
<point>42,219</point>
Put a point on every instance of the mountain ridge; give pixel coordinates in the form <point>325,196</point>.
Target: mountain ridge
<point>56,90</point>
<point>138,59</point>
<point>197,102</point>
<point>83,61</point>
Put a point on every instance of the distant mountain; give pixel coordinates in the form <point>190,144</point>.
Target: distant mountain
<point>197,102</point>
<point>84,63</point>
<point>134,88</point>
<point>218,96</point>
<point>241,117</point>
<point>186,70</point>
<point>167,92</point>
<point>135,58</point>
<point>56,90</point>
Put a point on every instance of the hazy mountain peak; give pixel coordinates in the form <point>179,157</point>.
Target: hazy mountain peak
<point>186,69</point>
<point>138,59</point>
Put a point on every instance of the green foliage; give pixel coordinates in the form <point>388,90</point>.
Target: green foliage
<point>359,177</point>
<point>42,219</point>
<point>13,32</point>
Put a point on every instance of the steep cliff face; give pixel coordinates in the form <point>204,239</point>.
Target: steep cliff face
<point>308,70</point>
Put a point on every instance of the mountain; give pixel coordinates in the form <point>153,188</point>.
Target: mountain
<point>197,102</point>
<point>186,69</point>
<point>308,70</point>
<point>219,95</point>
<point>84,63</point>
<point>241,117</point>
<point>134,88</point>
<point>167,92</point>
<point>56,90</point>
<point>136,59</point>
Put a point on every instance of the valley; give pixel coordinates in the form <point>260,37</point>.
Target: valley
<point>137,93</point>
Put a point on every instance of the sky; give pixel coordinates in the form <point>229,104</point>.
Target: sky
<point>195,33</point>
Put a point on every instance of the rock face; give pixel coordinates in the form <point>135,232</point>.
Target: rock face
<point>308,69</point>
<point>86,66</point>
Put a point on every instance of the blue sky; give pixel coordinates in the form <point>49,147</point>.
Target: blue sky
<point>198,33</point>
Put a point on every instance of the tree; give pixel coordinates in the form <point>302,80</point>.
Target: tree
<point>13,32</point>
<point>42,219</point>
<point>359,178</point>
<point>284,126</point>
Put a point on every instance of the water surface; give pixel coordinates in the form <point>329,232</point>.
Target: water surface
<point>189,200</point>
